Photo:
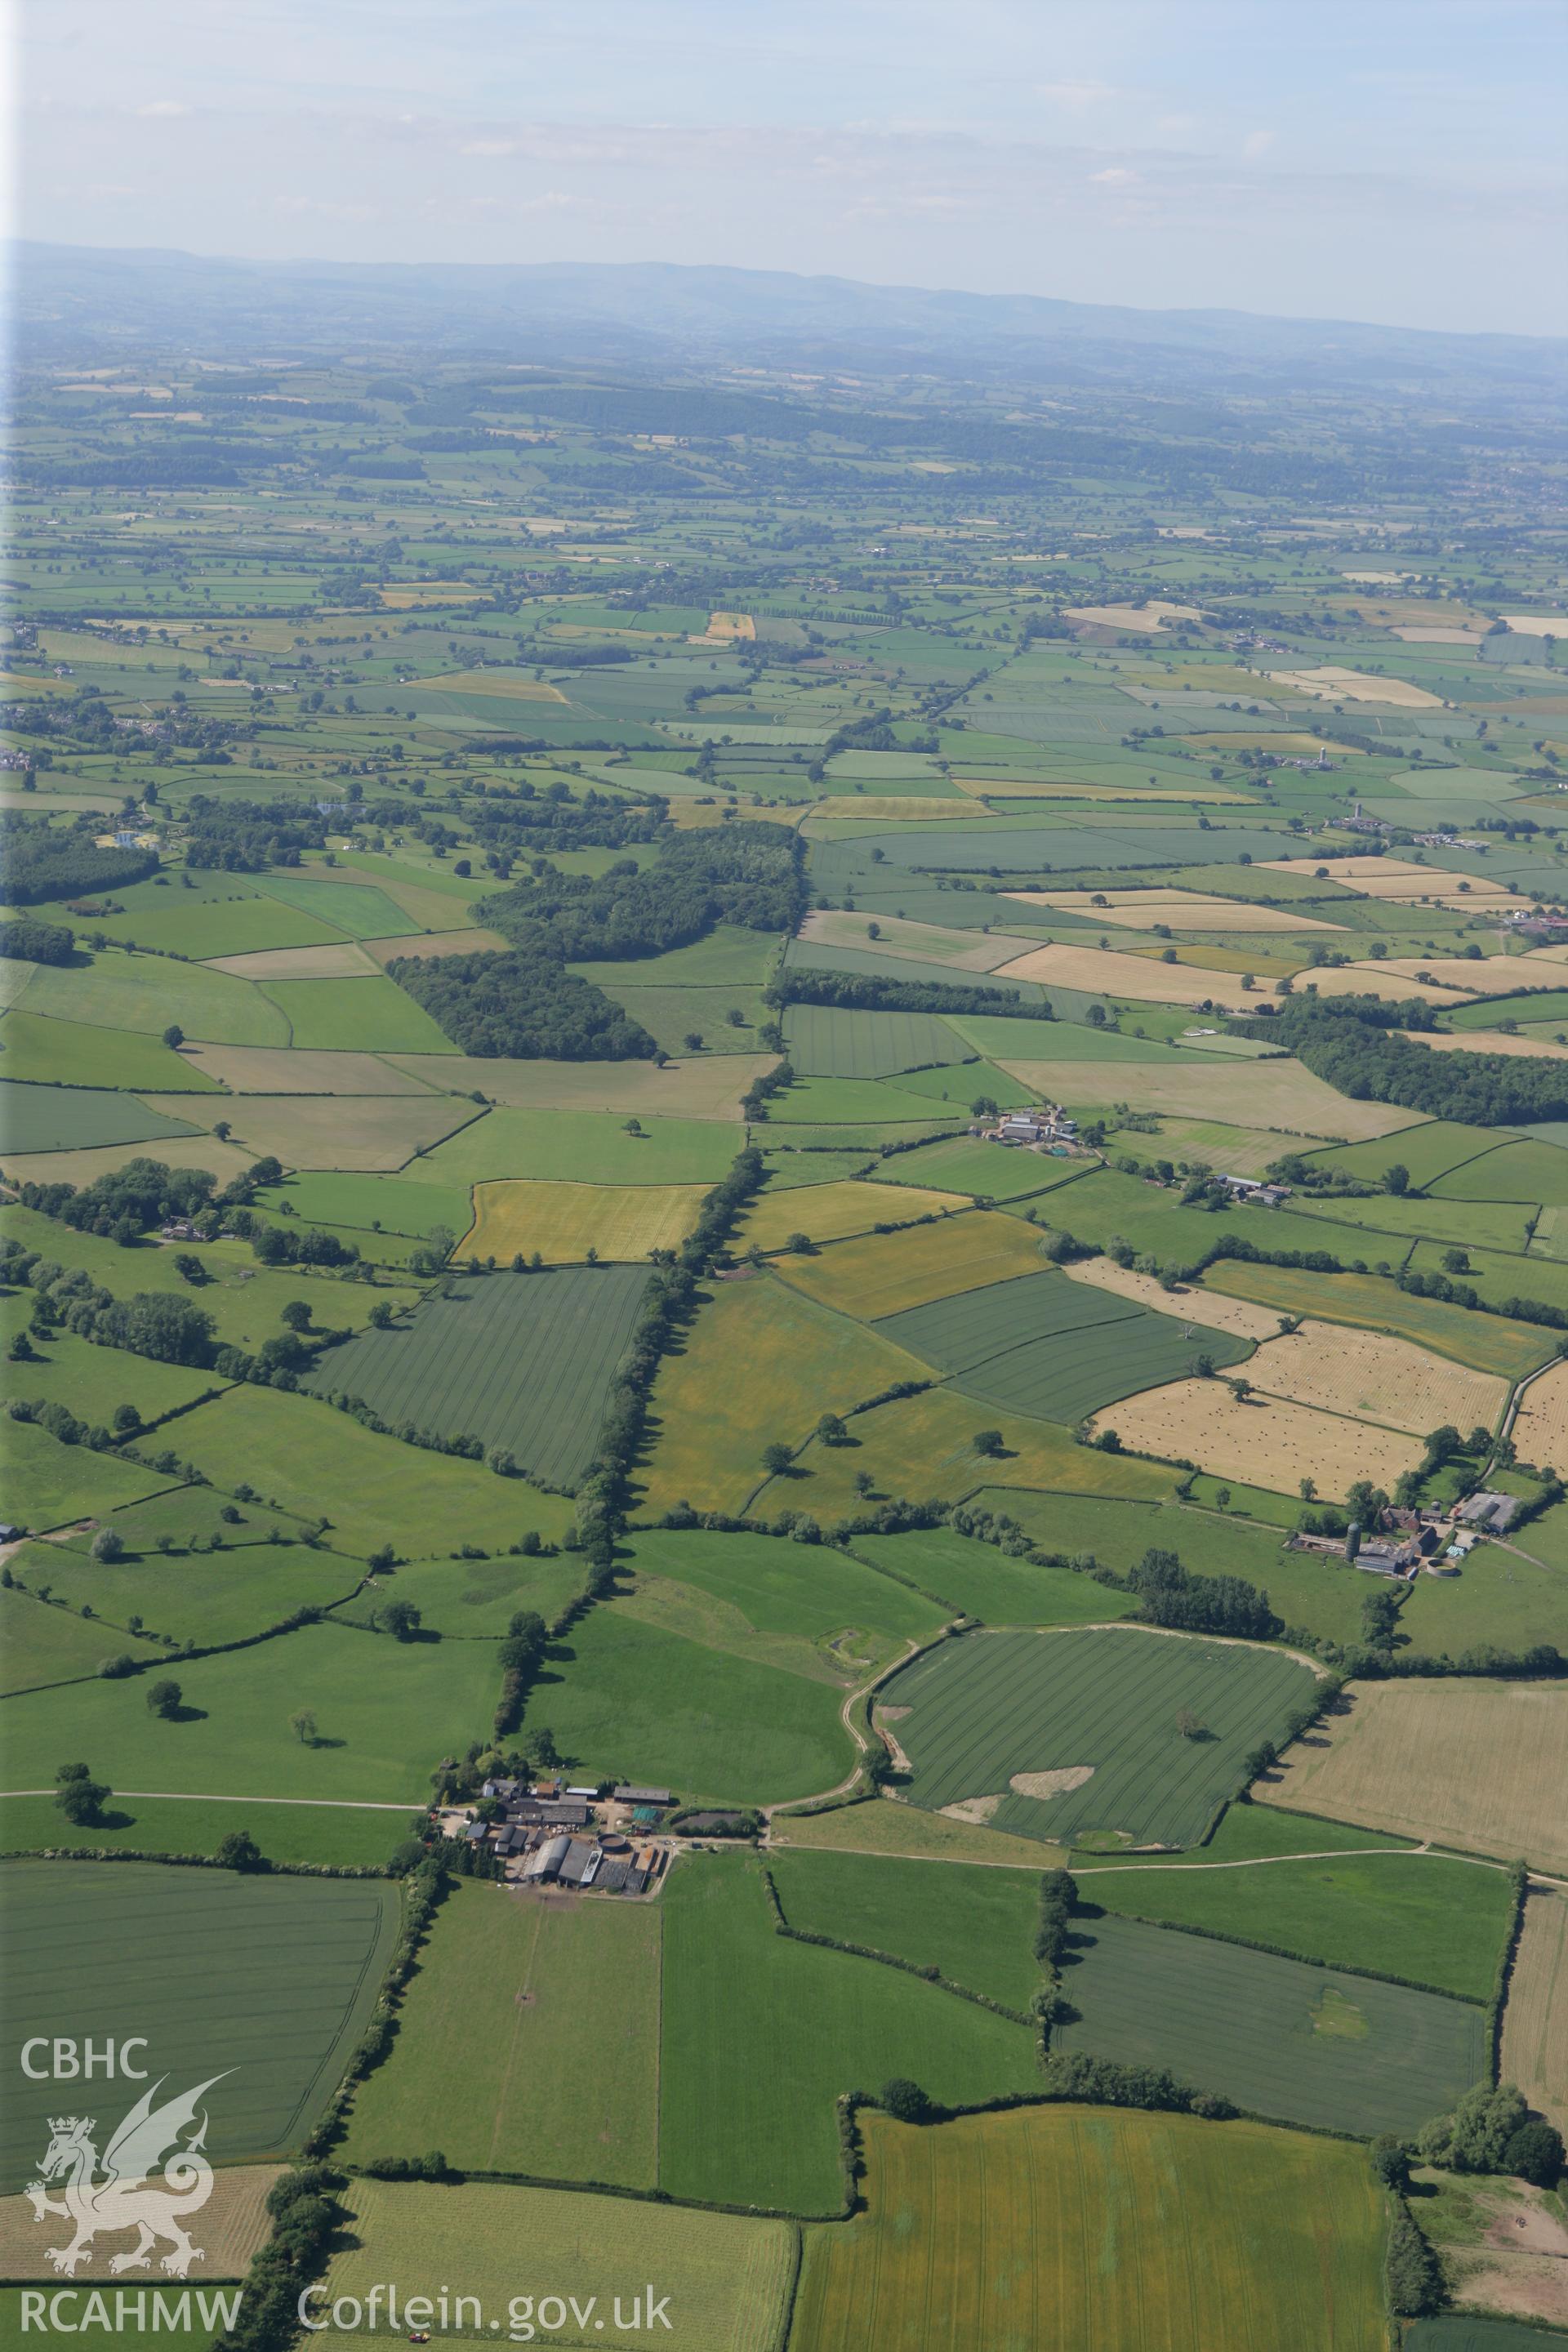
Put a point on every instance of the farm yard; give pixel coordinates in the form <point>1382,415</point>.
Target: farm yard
<point>552,1406</point>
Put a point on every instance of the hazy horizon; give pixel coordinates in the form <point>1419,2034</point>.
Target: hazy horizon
<point>1401,166</point>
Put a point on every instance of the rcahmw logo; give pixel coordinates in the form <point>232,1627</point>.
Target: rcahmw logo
<point>152,2175</point>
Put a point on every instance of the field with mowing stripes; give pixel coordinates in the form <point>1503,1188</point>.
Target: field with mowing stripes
<point>1102,2227</point>
<point>1296,2043</point>
<point>1535,2021</point>
<point>273,1977</point>
<point>521,1361</point>
<point>1056,1348</point>
<point>1489,1343</point>
<point>988,1710</point>
<point>823,1042</point>
<point>563,1221</point>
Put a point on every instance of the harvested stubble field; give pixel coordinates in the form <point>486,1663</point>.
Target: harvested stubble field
<point>727,2278</point>
<point>234,2221</point>
<point>1535,2021</point>
<point>1372,1376</point>
<point>296,1070</point>
<point>1475,1765</point>
<point>1540,1427</point>
<point>1487,1343</point>
<point>522,1361</point>
<point>1192,1305</point>
<point>1279,1094</point>
<point>1269,1440</point>
<point>987,1709</point>
<point>565,1222</point>
<point>271,1978</point>
<point>366,1132</point>
<point>832,1211</point>
<point>962,951</point>
<point>1111,971</point>
<point>1298,2043</point>
<point>1102,2228</point>
<point>884,1273</point>
<point>1003,1344</point>
<point>489,2064</point>
<point>1183,910</point>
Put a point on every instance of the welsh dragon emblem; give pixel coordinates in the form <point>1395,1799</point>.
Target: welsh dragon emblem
<point>125,2197</point>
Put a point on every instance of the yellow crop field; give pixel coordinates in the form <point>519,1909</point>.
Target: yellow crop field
<point>1151,616</point>
<point>1541,1430</point>
<point>1373,1376</point>
<point>1388,877</point>
<point>234,2221</point>
<point>882,1273</point>
<point>1109,972</point>
<point>1535,2021</point>
<point>1190,1304</point>
<point>565,1222</point>
<point>1184,910</point>
<point>1333,684</point>
<point>338,959</point>
<point>1280,1094</point>
<point>826,1213</point>
<point>1267,1441</point>
<point>966,951</point>
<point>731,625</point>
<point>1488,1343</point>
<point>1066,2229</point>
<point>1478,1765</point>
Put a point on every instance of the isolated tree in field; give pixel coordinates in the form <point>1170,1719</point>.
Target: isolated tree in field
<point>692,1041</point>
<point>632,1126</point>
<point>238,1849</point>
<point>302,1724</point>
<point>1308,1490</point>
<point>1397,1178</point>
<point>776,1459</point>
<point>108,1544</point>
<point>401,1619</point>
<point>905,2100</point>
<point>173,1035</point>
<point>1456,1261</point>
<point>1189,1725</point>
<point>1222,1498</point>
<point>863,1482</point>
<point>164,1699</point>
<point>988,1442</point>
<point>1240,1390</point>
<point>830,1429</point>
<point>79,1797</point>
<point>381,1315</point>
<point>295,1315</point>
<point>801,1246</point>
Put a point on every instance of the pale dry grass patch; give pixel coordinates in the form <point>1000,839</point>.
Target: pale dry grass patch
<point>1540,1428</point>
<point>1535,2021</point>
<point>1183,910</point>
<point>1267,1442</point>
<point>563,1221</point>
<point>1109,971</point>
<point>1216,1312</point>
<point>1373,1376</point>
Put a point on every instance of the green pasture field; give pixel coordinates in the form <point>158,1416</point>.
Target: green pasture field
<point>728,956</point>
<point>987,1705</point>
<point>627,1700</point>
<point>245,1300</point>
<point>970,1579</point>
<point>49,1484</point>
<point>824,1614</point>
<point>760,2036</point>
<point>1311,1888</point>
<point>359,1204</point>
<point>1298,2044</point>
<point>672,1014</point>
<point>1386,1227</point>
<point>42,1646</point>
<point>1464,2331</point>
<point>1428,1151</point>
<point>823,1042</point>
<point>288,1971</point>
<point>960,1088</point>
<point>147,992</point>
<point>490,2064</point>
<point>372,1490</point>
<point>233,1735</point>
<point>728,2278</point>
<point>1488,1343</point>
<point>191,1516</point>
<point>356,909</point>
<point>710,1423</point>
<point>1497,1598</point>
<point>1005,1344</point>
<point>1529,1006</point>
<point>1497,1275</point>
<point>853,1102</point>
<point>864,1825</point>
<point>1108,1203</point>
<point>1103,2226</point>
<point>1523,1170</point>
<point>92,1381</point>
<point>361,1016</point>
<point>1003,1037</point>
<point>207,1598</point>
<point>42,1049</point>
<point>923,1447</point>
<point>348,1836</point>
<point>473,1599</point>
<point>1306,1589</point>
<point>523,1362</point>
<point>985,1170</point>
<point>69,1118</point>
<point>976,1925</point>
<point>244,924</point>
<point>583,1146</point>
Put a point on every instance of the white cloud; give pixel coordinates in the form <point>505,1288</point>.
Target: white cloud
<point>1116,176</point>
<point>1076,94</point>
<point>165,106</point>
<point>488,147</point>
<point>1256,144</point>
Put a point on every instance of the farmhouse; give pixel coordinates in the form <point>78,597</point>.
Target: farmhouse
<point>625,1793</point>
<point>1249,1188</point>
<point>1491,1513</point>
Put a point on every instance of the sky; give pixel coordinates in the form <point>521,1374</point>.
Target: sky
<point>1395,161</point>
